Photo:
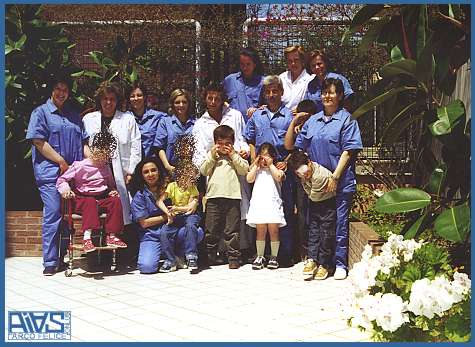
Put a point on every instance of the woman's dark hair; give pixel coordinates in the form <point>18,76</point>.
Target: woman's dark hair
<point>252,53</point>
<point>135,85</point>
<point>138,182</point>
<point>270,149</point>
<point>60,77</point>
<point>328,82</point>
<point>296,159</point>
<point>213,86</point>
<point>109,87</point>
<point>224,132</point>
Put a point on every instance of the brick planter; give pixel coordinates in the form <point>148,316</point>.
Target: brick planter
<point>361,234</point>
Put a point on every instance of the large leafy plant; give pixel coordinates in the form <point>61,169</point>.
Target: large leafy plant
<point>427,44</point>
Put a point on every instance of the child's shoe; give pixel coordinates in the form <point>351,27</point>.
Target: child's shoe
<point>340,273</point>
<point>180,263</point>
<point>310,268</point>
<point>258,263</point>
<point>167,267</point>
<point>273,263</point>
<point>322,273</point>
<point>88,246</point>
<point>114,241</point>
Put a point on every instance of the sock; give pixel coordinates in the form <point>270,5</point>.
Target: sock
<point>274,248</point>
<point>260,246</point>
<point>87,234</point>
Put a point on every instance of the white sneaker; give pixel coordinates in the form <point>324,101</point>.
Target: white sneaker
<point>340,273</point>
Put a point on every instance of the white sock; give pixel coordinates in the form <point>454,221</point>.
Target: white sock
<point>87,234</point>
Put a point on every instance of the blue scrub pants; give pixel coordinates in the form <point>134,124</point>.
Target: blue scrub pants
<point>52,225</point>
<point>150,248</point>
<point>343,206</point>
<point>168,234</point>
<point>286,233</point>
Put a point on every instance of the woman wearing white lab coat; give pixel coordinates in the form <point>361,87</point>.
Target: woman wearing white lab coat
<point>123,126</point>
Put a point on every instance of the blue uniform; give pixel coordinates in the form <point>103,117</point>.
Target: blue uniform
<point>148,125</point>
<point>263,127</point>
<point>144,206</point>
<point>314,89</point>
<point>242,93</point>
<point>325,142</point>
<point>169,130</point>
<point>65,133</point>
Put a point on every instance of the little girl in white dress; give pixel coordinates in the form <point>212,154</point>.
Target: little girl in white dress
<point>265,208</point>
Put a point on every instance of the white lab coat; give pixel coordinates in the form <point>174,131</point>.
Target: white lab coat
<point>127,155</point>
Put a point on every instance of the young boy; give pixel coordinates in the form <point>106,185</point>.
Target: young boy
<point>223,165</point>
<point>94,188</point>
<point>322,213</point>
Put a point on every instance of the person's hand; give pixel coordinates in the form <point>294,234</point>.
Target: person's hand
<point>214,151</point>
<point>244,154</point>
<point>250,111</point>
<point>170,218</point>
<point>298,128</point>
<point>268,161</point>
<point>227,149</point>
<point>113,193</point>
<point>331,185</point>
<point>63,166</point>
<point>68,195</point>
<point>128,178</point>
<point>170,169</point>
<point>256,161</point>
<point>281,165</point>
<point>192,206</point>
<point>301,117</point>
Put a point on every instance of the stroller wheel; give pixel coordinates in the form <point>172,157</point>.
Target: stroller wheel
<point>68,273</point>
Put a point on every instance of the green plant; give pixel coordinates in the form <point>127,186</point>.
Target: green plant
<point>409,292</point>
<point>427,45</point>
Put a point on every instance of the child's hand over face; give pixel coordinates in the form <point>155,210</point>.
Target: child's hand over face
<point>227,149</point>
<point>215,151</point>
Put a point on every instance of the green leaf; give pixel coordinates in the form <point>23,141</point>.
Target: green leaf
<point>363,16</point>
<point>454,224</point>
<point>437,179</point>
<point>21,42</point>
<point>396,54</point>
<point>421,30</point>
<point>449,116</point>
<point>397,122</point>
<point>28,154</point>
<point>457,329</point>
<point>402,200</point>
<point>372,35</point>
<point>92,74</point>
<point>401,67</point>
<point>133,75</point>
<point>96,57</point>
<point>415,228</point>
<point>8,49</point>
<point>78,74</point>
<point>379,100</point>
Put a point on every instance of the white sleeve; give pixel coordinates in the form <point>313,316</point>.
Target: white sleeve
<point>200,149</point>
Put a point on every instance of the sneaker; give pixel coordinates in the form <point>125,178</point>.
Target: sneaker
<point>321,274</point>
<point>258,263</point>
<point>167,267</point>
<point>310,268</point>
<point>180,263</point>
<point>49,270</point>
<point>234,264</point>
<point>193,266</point>
<point>340,273</point>
<point>114,241</point>
<point>88,246</point>
<point>273,263</point>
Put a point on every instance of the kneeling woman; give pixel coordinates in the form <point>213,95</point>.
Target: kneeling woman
<point>150,183</point>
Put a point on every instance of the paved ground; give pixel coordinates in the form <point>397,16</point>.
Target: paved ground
<point>215,305</point>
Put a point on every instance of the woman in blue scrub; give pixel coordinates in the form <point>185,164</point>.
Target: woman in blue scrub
<point>179,122</point>
<point>319,64</point>
<point>58,137</point>
<point>332,139</point>
<point>147,119</point>
<point>150,181</point>
<point>243,89</point>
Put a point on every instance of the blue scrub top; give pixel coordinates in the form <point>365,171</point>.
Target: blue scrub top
<point>169,130</point>
<point>144,205</point>
<point>243,93</point>
<point>65,133</point>
<point>261,128</point>
<point>314,89</point>
<point>148,125</point>
<point>325,141</point>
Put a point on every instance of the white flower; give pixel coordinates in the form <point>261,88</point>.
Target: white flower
<point>461,286</point>
<point>363,311</point>
<point>390,314</point>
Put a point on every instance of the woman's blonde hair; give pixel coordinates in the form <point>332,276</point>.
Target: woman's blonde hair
<point>175,94</point>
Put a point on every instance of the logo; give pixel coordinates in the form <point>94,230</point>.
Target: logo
<point>39,325</point>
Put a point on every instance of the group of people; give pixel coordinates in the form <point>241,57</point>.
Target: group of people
<point>271,159</point>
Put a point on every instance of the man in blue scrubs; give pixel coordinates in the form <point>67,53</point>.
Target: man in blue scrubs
<point>270,124</point>
<point>58,137</point>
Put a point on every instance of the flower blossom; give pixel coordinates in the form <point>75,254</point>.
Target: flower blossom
<point>390,314</point>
